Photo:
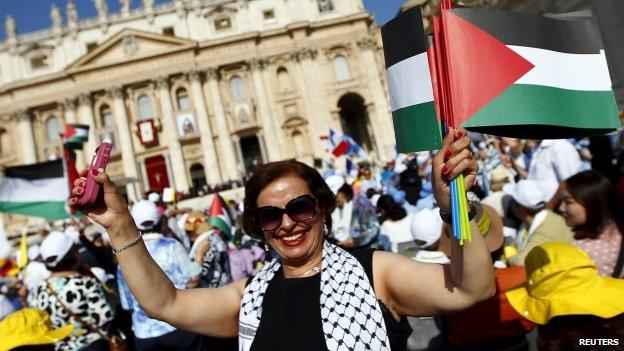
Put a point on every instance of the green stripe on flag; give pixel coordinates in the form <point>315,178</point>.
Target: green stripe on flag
<point>219,222</point>
<point>52,210</point>
<point>537,107</point>
<point>416,128</point>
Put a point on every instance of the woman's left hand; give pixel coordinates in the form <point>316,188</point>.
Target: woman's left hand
<point>453,159</point>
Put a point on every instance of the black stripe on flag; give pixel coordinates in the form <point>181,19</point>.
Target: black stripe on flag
<point>45,170</point>
<point>403,37</point>
<point>512,28</point>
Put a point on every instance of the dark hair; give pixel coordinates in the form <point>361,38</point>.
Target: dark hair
<point>347,190</point>
<point>595,193</point>
<point>69,262</point>
<point>268,173</point>
<point>392,210</point>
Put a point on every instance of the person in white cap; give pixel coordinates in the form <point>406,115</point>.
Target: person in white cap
<point>70,297</point>
<point>35,272</point>
<point>540,224</point>
<point>172,258</point>
<point>427,228</point>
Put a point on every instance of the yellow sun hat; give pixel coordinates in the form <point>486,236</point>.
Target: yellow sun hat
<point>563,280</point>
<point>30,326</point>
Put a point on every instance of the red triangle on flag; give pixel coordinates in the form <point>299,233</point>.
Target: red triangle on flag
<point>216,208</point>
<point>480,66</point>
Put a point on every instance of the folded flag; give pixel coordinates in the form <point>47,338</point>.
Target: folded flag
<point>38,190</point>
<point>75,136</point>
<point>528,76</point>
<point>416,125</point>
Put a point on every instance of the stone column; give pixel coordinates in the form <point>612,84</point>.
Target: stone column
<point>85,116</point>
<point>268,128</point>
<point>178,169</point>
<point>125,140</point>
<point>315,95</point>
<point>211,165</point>
<point>263,148</point>
<point>239,152</point>
<point>69,110</point>
<point>383,118</point>
<point>228,156</point>
<point>26,137</point>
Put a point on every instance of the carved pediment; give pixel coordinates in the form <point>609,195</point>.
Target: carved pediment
<point>130,44</point>
<point>220,10</point>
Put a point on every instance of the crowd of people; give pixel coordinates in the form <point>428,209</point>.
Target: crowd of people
<point>335,258</point>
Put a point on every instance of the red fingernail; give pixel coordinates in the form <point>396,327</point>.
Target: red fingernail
<point>445,170</point>
<point>95,172</point>
<point>447,155</point>
<point>459,134</point>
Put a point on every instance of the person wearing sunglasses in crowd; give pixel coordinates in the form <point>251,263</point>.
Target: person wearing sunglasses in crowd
<point>314,296</point>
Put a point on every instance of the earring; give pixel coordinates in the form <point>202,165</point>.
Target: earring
<point>267,248</point>
<point>325,229</point>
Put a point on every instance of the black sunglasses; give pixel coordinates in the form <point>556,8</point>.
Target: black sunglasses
<point>299,209</point>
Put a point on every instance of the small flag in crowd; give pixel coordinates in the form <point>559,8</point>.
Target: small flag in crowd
<point>38,190</point>
<point>75,136</point>
<point>342,144</point>
<point>217,216</point>
<point>509,73</point>
<point>416,125</point>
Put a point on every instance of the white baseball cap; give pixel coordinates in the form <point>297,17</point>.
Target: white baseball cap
<point>153,197</point>
<point>54,247</point>
<point>531,194</point>
<point>145,214</point>
<point>426,227</point>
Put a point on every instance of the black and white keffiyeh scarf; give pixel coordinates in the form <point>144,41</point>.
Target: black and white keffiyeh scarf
<point>350,313</point>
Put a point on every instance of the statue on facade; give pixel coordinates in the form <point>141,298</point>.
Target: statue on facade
<point>125,7</point>
<point>55,16</point>
<point>72,14</point>
<point>102,8</point>
<point>10,27</point>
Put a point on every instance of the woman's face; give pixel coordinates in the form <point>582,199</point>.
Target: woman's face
<point>573,212</point>
<point>341,199</point>
<point>295,242</point>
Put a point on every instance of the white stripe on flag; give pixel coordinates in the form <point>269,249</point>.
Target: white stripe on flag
<point>586,72</point>
<point>20,190</point>
<point>410,82</point>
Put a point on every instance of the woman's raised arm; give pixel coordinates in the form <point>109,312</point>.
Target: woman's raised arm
<point>205,311</point>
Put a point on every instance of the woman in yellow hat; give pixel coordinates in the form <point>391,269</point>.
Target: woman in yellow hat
<point>572,303</point>
<point>30,327</point>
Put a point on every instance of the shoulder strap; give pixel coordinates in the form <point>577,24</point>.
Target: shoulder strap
<point>74,315</point>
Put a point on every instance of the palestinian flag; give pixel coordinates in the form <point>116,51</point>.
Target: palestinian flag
<point>75,136</point>
<point>218,217</point>
<point>520,75</point>
<point>38,190</point>
<point>416,125</point>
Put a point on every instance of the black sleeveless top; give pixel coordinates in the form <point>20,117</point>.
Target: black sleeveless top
<point>291,313</point>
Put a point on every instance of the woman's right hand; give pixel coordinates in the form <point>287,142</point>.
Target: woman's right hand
<point>109,210</point>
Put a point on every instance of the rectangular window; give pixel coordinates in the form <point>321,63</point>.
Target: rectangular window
<point>39,61</point>
<point>91,46</point>
<point>223,23</point>
<point>168,31</point>
<point>268,15</point>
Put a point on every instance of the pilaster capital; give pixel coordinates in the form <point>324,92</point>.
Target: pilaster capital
<point>305,53</point>
<point>161,82</point>
<point>256,64</point>
<point>85,99</point>
<point>194,75</point>
<point>115,92</point>
<point>212,73</point>
<point>68,104</point>
<point>367,43</point>
<point>21,115</point>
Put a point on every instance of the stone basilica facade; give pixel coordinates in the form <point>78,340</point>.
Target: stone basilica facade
<point>195,92</point>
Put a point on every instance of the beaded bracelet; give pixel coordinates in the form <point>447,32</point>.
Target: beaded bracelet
<point>128,245</point>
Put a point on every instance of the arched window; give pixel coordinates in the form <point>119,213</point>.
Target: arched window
<point>341,68</point>
<point>299,142</point>
<point>325,5</point>
<point>53,128</point>
<point>145,107</point>
<point>184,103</point>
<point>283,80</point>
<point>237,86</point>
<point>198,176</point>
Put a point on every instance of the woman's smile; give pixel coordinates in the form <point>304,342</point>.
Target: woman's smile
<point>294,238</point>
